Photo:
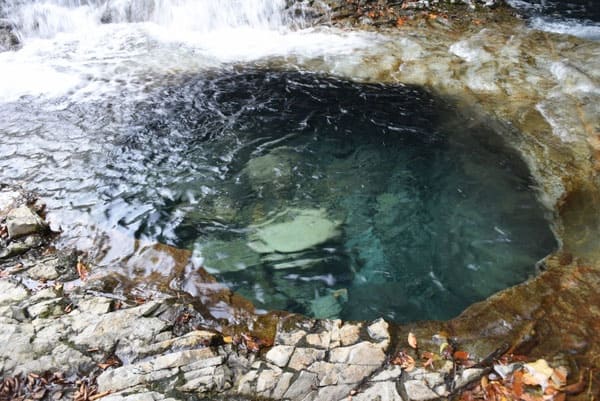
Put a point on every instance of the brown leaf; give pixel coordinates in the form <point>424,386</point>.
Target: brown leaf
<point>404,360</point>
<point>461,355</point>
<point>578,387</point>
<point>517,384</point>
<point>39,394</point>
<point>82,271</point>
<point>110,361</point>
<point>99,395</point>
<point>412,340</point>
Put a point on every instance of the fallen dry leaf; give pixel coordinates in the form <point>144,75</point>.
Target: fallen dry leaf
<point>412,340</point>
<point>82,271</point>
<point>461,355</point>
<point>404,360</point>
<point>100,395</point>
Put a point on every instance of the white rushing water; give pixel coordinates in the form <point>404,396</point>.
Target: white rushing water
<point>576,18</point>
<point>86,48</point>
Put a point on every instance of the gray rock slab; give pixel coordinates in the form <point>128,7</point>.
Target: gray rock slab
<point>334,393</point>
<point>468,376</point>
<point>267,380</point>
<point>304,357</point>
<point>280,355</point>
<point>379,330</point>
<point>289,337</point>
<point>319,340</point>
<point>132,375</point>
<point>390,373</point>
<point>282,385</point>
<point>418,390</point>
<point>61,358</point>
<point>363,353</point>
<point>22,221</point>
<point>384,391</point>
<point>129,327</point>
<point>12,293</point>
<point>95,305</point>
<point>349,334</point>
<point>46,309</point>
<point>332,374</point>
<point>143,395</point>
<point>302,386</point>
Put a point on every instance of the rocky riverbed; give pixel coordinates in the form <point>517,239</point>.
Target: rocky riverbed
<point>66,334</point>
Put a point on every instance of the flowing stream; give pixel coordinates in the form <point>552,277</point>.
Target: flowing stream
<point>199,124</point>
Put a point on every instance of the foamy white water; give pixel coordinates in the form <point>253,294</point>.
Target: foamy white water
<point>584,30</point>
<point>87,48</point>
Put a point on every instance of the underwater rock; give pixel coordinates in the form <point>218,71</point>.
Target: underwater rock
<point>294,230</point>
<point>274,168</point>
<point>228,256</point>
<point>330,305</point>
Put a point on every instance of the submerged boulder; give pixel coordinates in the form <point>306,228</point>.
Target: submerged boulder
<point>274,168</point>
<point>294,230</point>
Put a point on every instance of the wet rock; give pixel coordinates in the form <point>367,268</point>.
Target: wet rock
<point>378,330</point>
<point>59,265</point>
<point>329,305</point>
<point>468,376</point>
<point>23,221</point>
<point>274,168</point>
<point>228,256</point>
<point>8,39</point>
<point>294,230</point>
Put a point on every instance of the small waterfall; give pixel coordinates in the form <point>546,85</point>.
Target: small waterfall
<point>45,18</point>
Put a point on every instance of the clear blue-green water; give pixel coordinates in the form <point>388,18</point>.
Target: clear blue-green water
<point>431,211</point>
<point>301,192</point>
